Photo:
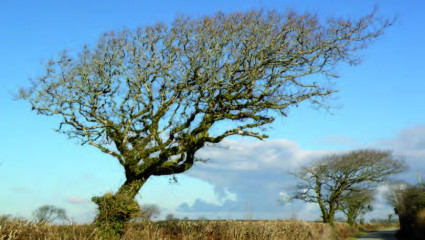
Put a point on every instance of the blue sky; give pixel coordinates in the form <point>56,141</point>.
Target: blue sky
<point>382,105</point>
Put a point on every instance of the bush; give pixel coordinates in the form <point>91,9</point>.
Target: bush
<point>409,205</point>
<point>114,212</point>
<point>5,218</point>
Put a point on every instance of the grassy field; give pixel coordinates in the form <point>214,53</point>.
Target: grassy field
<point>223,229</point>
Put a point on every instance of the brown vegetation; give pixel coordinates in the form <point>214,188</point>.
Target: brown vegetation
<point>15,229</point>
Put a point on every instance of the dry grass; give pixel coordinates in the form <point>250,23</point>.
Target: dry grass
<point>291,230</point>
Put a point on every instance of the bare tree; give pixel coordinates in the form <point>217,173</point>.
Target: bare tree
<point>49,213</point>
<point>148,211</point>
<point>170,217</point>
<point>153,97</point>
<point>329,180</point>
<point>355,203</point>
<point>395,194</point>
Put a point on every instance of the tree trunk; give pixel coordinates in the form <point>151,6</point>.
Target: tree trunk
<point>325,217</point>
<point>350,220</point>
<point>331,216</point>
<point>328,216</point>
<point>115,210</point>
<point>351,217</point>
<point>324,211</point>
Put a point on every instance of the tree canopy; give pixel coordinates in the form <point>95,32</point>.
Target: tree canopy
<point>148,95</point>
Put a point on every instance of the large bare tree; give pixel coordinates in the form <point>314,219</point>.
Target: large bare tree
<point>330,180</point>
<point>152,97</point>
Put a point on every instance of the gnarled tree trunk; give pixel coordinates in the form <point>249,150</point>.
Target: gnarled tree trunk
<point>115,210</point>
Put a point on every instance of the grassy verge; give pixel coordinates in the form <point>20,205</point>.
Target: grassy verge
<point>169,230</point>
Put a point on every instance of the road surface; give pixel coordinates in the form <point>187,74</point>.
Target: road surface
<point>387,234</point>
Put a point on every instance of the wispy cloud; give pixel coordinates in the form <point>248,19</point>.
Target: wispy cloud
<point>20,190</point>
<point>409,143</point>
<point>339,140</point>
<point>76,200</point>
<point>202,206</point>
<point>410,139</point>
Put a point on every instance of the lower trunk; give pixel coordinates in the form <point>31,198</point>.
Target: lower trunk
<point>329,216</point>
<point>350,221</point>
<point>351,218</point>
<point>115,210</point>
<point>329,219</point>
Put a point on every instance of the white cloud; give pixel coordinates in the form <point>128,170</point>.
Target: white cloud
<point>255,172</point>
<point>279,153</point>
<point>409,144</point>
<point>408,140</point>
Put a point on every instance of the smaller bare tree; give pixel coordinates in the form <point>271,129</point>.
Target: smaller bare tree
<point>49,213</point>
<point>170,217</point>
<point>149,211</point>
<point>355,203</point>
<point>327,180</point>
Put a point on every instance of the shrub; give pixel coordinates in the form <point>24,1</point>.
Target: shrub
<point>409,205</point>
<point>114,210</point>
